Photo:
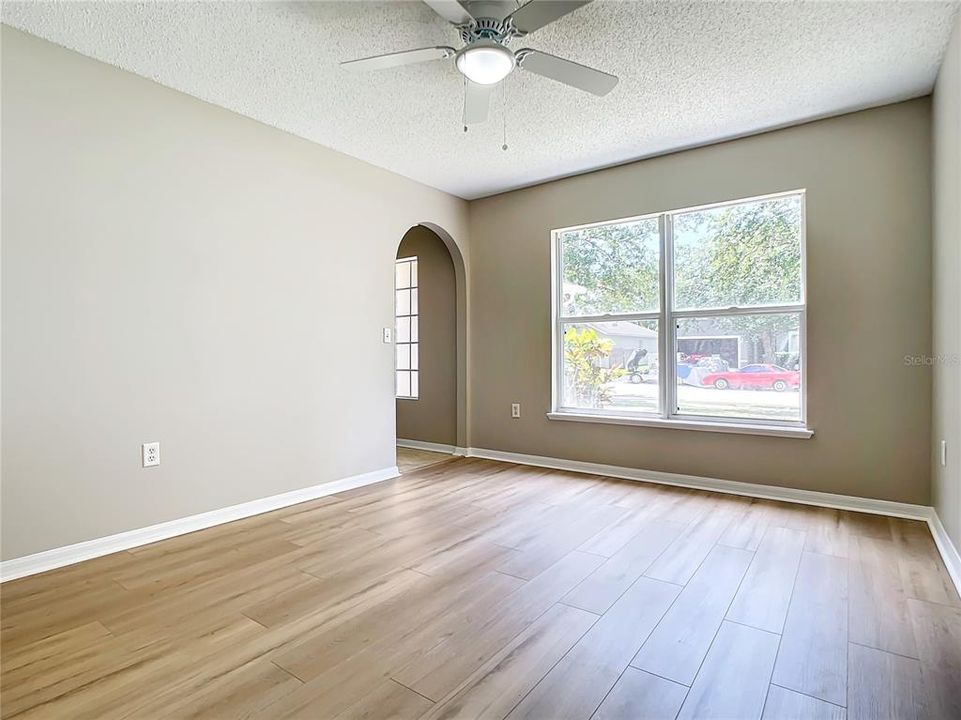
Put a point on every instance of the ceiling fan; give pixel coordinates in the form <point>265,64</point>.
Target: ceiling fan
<point>487,27</point>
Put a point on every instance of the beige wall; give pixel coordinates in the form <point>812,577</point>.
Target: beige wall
<point>432,417</point>
<point>946,488</point>
<point>175,272</point>
<point>172,271</point>
<point>867,177</point>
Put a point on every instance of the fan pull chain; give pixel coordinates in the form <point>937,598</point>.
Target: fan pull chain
<point>465,105</point>
<point>504,146</point>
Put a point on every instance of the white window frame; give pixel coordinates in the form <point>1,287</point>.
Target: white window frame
<point>415,285</point>
<point>666,317</point>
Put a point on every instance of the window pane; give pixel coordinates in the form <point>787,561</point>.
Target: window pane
<point>403,383</point>
<point>405,324</point>
<point>738,255</point>
<point>403,330</point>
<point>403,357</point>
<point>740,366</point>
<point>402,274</point>
<point>612,366</point>
<point>402,302</point>
<point>611,268</point>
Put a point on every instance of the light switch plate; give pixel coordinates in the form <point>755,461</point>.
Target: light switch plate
<point>388,334</point>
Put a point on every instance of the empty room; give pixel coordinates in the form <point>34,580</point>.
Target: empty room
<point>480,359</point>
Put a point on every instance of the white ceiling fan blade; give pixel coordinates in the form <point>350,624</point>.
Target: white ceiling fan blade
<point>406,57</point>
<point>451,10</point>
<point>477,103</point>
<point>538,13</point>
<point>566,71</point>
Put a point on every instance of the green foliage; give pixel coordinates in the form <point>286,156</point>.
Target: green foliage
<point>617,265</point>
<point>587,380</point>
<point>747,254</point>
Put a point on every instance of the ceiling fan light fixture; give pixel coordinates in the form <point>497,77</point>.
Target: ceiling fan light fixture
<point>485,63</point>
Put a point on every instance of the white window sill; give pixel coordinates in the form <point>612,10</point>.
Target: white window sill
<point>704,426</point>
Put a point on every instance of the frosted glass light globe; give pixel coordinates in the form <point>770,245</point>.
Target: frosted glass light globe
<point>485,64</point>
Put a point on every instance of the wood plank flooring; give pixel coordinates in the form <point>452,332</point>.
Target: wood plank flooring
<point>476,589</point>
<point>410,459</point>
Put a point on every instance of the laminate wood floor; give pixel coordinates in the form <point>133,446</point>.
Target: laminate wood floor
<point>410,459</point>
<point>476,589</point>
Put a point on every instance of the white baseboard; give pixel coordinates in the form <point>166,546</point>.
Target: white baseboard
<point>59,557</point>
<point>432,446</point>
<point>70,554</point>
<point>732,487</point>
<point>949,553</point>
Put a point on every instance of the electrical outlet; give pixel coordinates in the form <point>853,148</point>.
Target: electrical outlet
<point>944,453</point>
<point>388,334</point>
<point>151,454</point>
<point>515,410</point>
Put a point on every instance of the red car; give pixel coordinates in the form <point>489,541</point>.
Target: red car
<point>761,377</point>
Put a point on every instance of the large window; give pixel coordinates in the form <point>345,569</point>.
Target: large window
<point>694,316</point>
<point>405,329</point>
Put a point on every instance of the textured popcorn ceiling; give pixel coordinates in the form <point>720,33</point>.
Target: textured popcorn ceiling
<point>691,73</point>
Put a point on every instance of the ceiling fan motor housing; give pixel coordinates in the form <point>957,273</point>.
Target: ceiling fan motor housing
<point>487,29</point>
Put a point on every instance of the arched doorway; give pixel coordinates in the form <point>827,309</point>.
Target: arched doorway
<point>430,348</point>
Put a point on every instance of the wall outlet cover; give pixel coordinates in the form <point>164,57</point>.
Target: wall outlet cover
<point>151,454</point>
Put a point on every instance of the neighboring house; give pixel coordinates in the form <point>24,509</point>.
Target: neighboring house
<point>708,340</point>
<point>627,337</point>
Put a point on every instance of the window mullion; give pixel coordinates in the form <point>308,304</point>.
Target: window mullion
<point>557,349</point>
<point>666,363</point>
